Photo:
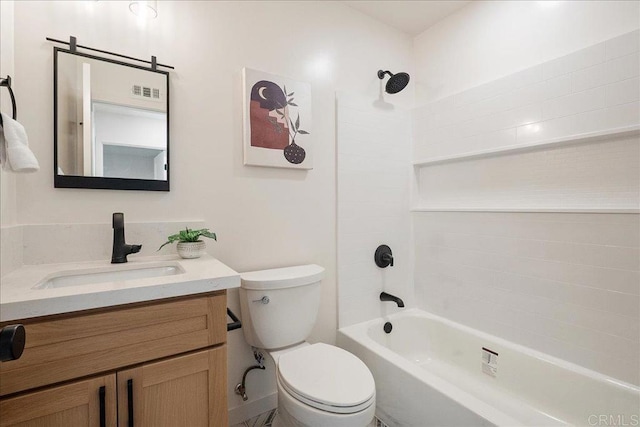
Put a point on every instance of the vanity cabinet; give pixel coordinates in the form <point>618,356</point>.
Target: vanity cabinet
<point>164,362</point>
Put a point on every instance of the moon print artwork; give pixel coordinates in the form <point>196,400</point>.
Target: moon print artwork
<point>277,121</point>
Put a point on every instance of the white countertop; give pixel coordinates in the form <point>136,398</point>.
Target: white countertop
<point>21,299</point>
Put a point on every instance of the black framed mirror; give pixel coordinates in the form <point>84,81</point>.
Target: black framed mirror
<point>111,124</point>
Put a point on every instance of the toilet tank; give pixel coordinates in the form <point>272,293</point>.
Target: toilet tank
<point>279,306</point>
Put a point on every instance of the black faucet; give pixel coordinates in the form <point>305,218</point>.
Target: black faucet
<point>388,297</point>
<point>120,248</point>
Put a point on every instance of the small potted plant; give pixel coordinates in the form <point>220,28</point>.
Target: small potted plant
<point>189,243</point>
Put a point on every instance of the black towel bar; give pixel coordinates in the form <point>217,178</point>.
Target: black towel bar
<point>236,324</point>
<point>7,83</point>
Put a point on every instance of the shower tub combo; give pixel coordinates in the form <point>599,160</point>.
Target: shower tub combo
<point>432,371</point>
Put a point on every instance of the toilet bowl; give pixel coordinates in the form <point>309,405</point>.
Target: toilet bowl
<point>322,385</point>
<point>319,385</point>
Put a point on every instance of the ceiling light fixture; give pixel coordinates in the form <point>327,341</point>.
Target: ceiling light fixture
<point>144,9</point>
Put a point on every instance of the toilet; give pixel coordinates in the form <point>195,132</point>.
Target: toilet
<point>319,385</point>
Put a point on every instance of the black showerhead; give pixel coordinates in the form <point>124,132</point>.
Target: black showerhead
<point>396,82</point>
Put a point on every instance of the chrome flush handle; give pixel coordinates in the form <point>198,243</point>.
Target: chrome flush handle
<point>264,300</point>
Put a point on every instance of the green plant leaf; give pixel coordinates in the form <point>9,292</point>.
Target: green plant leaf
<point>293,103</point>
<point>285,89</point>
<point>290,94</point>
<point>303,132</point>
<point>298,122</point>
<point>206,233</point>
<point>171,239</point>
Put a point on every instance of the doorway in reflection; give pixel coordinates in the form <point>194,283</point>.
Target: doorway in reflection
<point>129,142</point>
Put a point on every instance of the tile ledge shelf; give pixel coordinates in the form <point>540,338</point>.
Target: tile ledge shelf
<point>556,142</point>
<point>531,210</point>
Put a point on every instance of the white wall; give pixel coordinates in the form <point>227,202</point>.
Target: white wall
<point>373,172</point>
<point>8,204</point>
<point>10,233</point>
<point>486,40</point>
<point>263,217</point>
<point>566,284</point>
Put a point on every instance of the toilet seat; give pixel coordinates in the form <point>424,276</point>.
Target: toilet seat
<point>327,378</point>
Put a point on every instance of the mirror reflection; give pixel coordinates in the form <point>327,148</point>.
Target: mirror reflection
<point>111,119</point>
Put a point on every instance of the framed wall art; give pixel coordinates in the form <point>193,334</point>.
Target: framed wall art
<point>277,121</point>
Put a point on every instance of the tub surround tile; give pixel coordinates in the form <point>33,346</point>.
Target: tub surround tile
<point>576,103</point>
<point>623,45</point>
<point>623,68</point>
<point>564,284</point>
<point>623,115</point>
<point>602,174</point>
<point>580,59</point>
<point>589,78</point>
<point>557,86</point>
<point>509,83</point>
<point>543,102</point>
<point>623,92</point>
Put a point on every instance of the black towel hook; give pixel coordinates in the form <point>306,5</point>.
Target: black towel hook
<point>7,83</point>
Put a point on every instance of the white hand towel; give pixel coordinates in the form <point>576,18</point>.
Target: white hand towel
<point>19,156</point>
<point>3,150</point>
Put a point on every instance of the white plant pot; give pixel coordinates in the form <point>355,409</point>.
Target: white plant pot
<point>191,250</point>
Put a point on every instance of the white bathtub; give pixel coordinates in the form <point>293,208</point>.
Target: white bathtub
<point>429,372</point>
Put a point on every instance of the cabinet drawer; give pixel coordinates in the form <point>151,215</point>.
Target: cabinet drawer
<point>61,349</point>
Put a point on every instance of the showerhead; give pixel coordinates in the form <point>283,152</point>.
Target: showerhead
<point>396,82</point>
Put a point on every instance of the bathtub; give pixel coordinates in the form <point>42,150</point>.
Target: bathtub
<point>430,371</point>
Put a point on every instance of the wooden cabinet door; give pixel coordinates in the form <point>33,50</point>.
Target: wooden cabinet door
<point>182,391</point>
<point>89,403</point>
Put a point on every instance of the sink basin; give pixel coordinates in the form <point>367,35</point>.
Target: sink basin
<point>94,276</point>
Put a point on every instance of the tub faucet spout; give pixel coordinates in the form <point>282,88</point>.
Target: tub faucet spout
<point>388,297</point>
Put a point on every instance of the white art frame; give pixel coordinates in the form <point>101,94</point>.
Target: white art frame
<point>277,121</point>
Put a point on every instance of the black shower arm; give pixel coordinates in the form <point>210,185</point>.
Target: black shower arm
<point>382,73</point>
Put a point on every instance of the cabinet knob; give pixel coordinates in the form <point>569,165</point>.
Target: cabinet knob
<point>12,340</point>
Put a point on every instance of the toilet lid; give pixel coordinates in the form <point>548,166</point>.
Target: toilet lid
<point>327,378</point>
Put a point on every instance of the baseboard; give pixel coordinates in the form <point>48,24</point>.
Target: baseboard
<point>252,409</point>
